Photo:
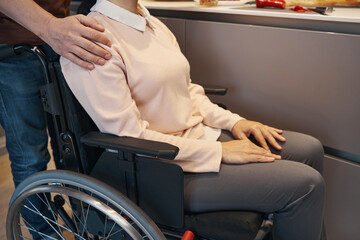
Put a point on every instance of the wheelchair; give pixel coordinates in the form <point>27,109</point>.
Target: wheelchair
<point>110,187</point>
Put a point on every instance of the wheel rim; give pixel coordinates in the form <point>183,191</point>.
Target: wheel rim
<point>118,219</point>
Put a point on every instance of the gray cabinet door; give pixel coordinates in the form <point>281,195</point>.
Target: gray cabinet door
<point>342,208</point>
<point>294,79</point>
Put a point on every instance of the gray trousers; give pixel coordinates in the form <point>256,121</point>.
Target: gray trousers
<point>292,188</point>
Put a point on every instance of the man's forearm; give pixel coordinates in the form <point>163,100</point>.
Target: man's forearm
<point>27,13</point>
<point>74,37</point>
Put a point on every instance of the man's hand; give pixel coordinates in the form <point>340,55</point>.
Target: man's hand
<point>73,37</point>
<point>245,151</point>
<point>262,133</point>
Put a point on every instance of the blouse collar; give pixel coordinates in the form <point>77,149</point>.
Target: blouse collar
<point>111,10</point>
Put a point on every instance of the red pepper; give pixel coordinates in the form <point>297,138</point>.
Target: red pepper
<point>299,9</point>
<point>271,3</point>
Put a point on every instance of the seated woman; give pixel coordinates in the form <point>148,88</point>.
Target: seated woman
<point>145,91</point>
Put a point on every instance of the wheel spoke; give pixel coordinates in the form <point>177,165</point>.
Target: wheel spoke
<point>109,234</point>
<point>118,231</point>
<point>47,204</point>
<point>97,211</point>
<point>85,220</point>
<point>75,217</point>
<point>44,217</point>
<point>32,229</point>
<point>105,223</point>
<point>54,222</point>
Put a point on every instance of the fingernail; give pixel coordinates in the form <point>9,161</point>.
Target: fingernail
<point>101,61</point>
<point>90,66</point>
<point>107,56</point>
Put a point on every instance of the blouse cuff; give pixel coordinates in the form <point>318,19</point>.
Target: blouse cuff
<point>235,118</point>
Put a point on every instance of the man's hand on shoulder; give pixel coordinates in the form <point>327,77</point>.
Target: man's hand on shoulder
<point>75,38</point>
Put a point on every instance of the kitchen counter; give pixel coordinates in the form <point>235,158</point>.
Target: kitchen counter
<point>340,14</point>
<point>341,20</point>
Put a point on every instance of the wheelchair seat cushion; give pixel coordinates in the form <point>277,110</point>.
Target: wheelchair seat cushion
<point>226,225</point>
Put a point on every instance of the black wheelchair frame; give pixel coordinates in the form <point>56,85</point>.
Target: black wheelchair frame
<point>125,168</point>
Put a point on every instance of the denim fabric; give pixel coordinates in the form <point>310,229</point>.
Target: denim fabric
<point>22,116</point>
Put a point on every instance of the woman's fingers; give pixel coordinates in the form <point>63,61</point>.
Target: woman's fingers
<point>269,136</point>
<point>273,137</point>
<point>259,158</point>
<point>276,133</point>
<point>244,151</point>
<point>276,130</point>
<point>259,136</point>
<point>241,135</point>
<point>256,150</point>
<point>265,134</point>
<point>248,157</point>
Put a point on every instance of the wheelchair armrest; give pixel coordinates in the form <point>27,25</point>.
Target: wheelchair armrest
<point>131,145</point>
<point>214,90</point>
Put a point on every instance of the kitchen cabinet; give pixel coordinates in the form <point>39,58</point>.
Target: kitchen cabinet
<point>342,198</point>
<point>294,79</point>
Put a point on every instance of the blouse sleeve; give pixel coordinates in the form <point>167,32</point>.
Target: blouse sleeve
<point>214,116</point>
<point>106,97</point>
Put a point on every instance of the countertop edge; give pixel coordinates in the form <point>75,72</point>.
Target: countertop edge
<point>233,10</point>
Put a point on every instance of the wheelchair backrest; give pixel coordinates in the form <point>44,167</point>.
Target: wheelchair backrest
<point>72,122</point>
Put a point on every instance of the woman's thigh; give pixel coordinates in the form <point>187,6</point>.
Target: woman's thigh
<point>264,187</point>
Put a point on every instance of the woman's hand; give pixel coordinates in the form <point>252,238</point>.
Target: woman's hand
<point>75,38</point>
<point>245,151</point>
<point>262,133</point>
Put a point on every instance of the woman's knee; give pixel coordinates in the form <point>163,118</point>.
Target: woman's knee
<point>313,146</point>
<point>304,148</point>
<point>308,187</point>
<point>302,217</point>
<point>313,184</point>
<point>317,182</point>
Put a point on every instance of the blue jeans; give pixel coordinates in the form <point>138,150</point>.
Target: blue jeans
<point>22,116</point>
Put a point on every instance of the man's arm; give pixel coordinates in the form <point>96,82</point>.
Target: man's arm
<point>71,37</point>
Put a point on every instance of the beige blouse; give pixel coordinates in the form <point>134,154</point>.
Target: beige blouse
<point>145,89</point>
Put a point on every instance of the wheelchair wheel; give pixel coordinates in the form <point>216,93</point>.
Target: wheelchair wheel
<point>68,205</point>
